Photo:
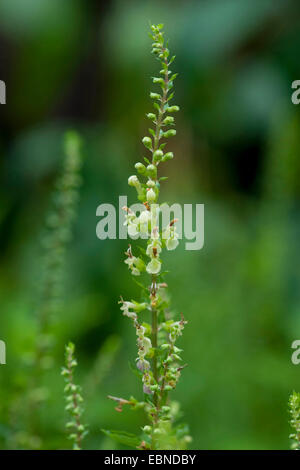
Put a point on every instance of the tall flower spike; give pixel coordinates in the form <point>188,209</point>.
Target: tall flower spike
<point>55,240</point>
<point>77,430</point>
<point>158,359</point>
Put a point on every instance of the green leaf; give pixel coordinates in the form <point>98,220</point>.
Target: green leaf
<point>128,439</point>
<point>140,285</point>
<point>163,274</point>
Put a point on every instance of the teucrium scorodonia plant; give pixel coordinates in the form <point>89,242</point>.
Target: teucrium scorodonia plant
<point>77,430</point>
<point>158,359</point>
<point>57,234</point>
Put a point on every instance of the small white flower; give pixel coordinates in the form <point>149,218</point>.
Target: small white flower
<point>126,306</point>
<point>172,243</point>
<point>171,237</point>
<point>151,196</point>
<point>154,266</point>
<point>132,230</point>
<point>136,265</point>
<point>144,217</point>
<point>143,364</point>
<point>146,344</point>
<point>132,222</point>
<point>130,261</point>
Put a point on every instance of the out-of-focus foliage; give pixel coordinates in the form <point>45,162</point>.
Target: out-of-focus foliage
<point>85,64</point>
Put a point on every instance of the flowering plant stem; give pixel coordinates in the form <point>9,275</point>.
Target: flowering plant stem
<point>158,361</point>
<point>73,399</point>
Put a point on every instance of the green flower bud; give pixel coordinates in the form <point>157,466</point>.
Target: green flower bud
<point>169,360</point>
<point>168,120</point>
<point>76,411</point>
<point>173,109</point>
<point>176,357</point>
<point>155,96</point>
<point>168,156</point>
<point>140,168</point>
<point>147,429</point>
<point>151,116</point>
<point>71,424</point>
<point>169,133</point>
<point>168,388</point>
<point>165,409</point>
<point>150,184</point>
<point>147,142</point>
<point>64,372</point>
<point>133,181</point>
<point>152,171</point>
<point>158,80</point>
<point>154,388</point>
<point>157,156</point>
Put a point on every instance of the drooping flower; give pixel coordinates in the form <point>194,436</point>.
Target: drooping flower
<point>171,237</point>
<point>153,267</point>
<point>144,346</point>
<point>135,265</point>
<point>131,221</point>
<point>130,309</point>
<point>144,219</point>
<point>172,243</point>
<point>142,365</point>
<point>127,308</point>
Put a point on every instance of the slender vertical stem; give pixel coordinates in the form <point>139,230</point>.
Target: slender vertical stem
<point>153,286</point>
<point>161,111</point>
<point>154,332</point>
<point>159,125</point>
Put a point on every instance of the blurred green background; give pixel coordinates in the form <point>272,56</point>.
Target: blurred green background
<point>87,65</point>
